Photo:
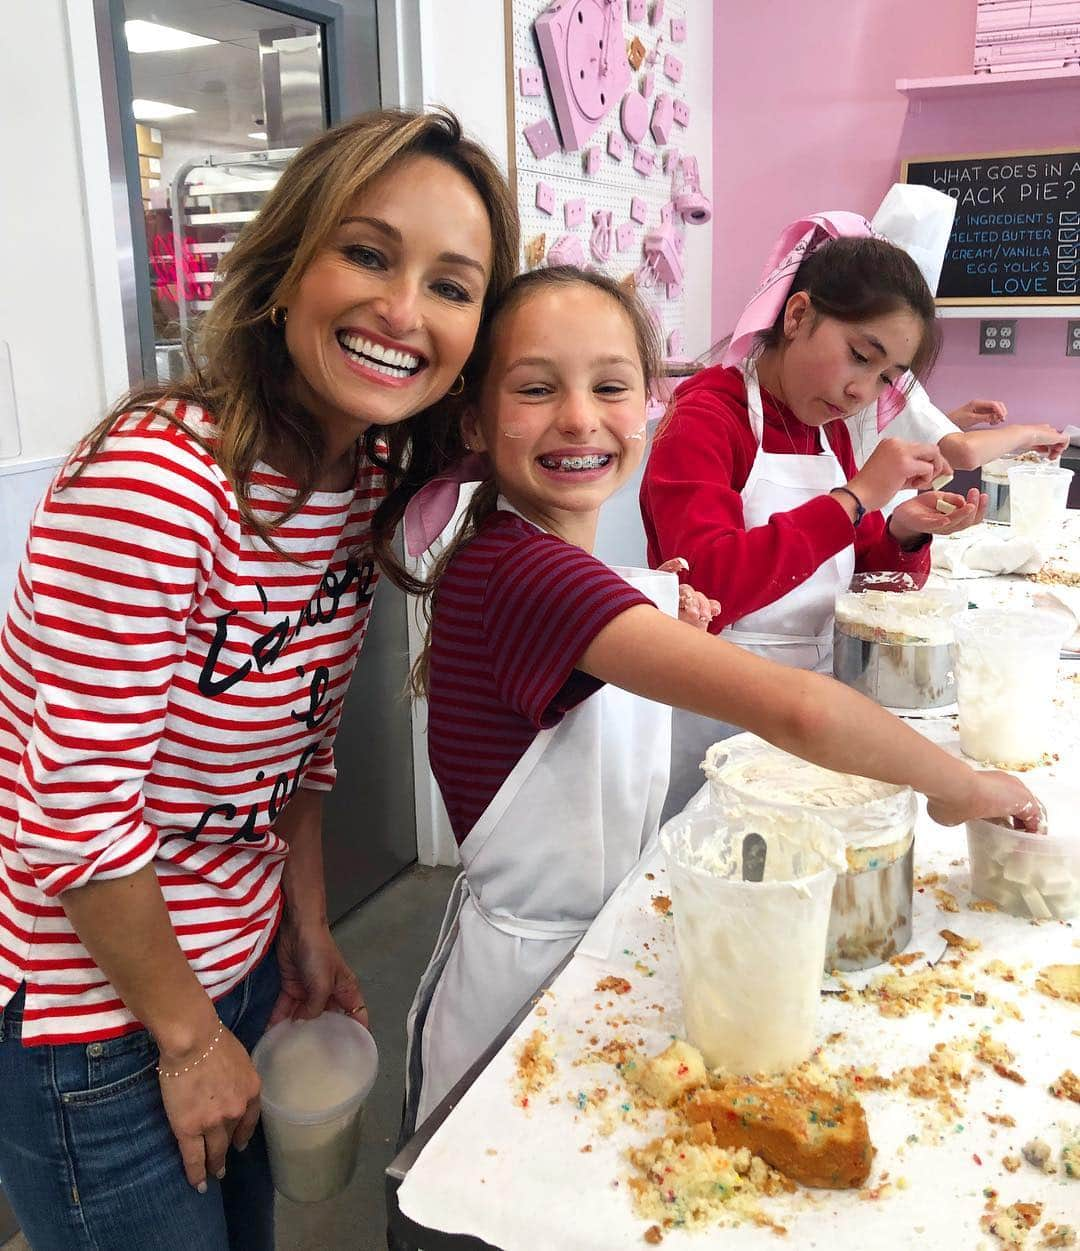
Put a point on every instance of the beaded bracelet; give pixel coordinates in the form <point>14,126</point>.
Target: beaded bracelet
<point>195,1063</point>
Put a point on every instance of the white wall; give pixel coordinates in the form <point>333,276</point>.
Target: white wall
<point>48,311</point>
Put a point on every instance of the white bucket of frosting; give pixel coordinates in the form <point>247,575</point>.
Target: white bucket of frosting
<point>1006,677</point>
<point>750,952</point>
<point>875,821</point>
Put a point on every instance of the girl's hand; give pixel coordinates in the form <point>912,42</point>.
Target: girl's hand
<point>897,466</point>
<point>211,1105</point>
<point>916,517</point>
<point>695,607</point>
<point>992,795</point>
<point>314,976</point>
<point>979,413</point>
<point>1043,438</point>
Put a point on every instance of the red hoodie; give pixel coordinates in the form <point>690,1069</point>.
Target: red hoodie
<point>691,506</point>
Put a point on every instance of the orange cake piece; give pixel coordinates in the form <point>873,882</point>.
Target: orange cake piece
<point>809,1134</point>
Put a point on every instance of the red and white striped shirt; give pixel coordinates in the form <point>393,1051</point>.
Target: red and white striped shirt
<point>517,609</point>
<point>167,682</point>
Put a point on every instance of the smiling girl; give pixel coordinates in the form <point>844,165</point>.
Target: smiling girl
<point>187,617</point>
<point>552,766</point>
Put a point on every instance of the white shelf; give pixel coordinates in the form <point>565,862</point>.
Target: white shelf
<point>210,219</point>
<point>1062,311</point>
<point>986,84</point>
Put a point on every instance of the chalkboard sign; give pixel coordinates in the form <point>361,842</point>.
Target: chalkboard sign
<point>1016,237</point>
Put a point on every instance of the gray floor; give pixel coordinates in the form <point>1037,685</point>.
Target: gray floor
<point>387,940</point>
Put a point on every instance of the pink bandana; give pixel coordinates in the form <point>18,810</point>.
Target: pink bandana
<point>429,511</point>
<point>796,242</point>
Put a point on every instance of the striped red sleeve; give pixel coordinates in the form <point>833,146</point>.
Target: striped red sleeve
<point>545,602</point>
<point>117,559</point>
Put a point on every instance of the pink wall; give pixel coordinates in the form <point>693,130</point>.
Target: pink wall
<point>807,117</point>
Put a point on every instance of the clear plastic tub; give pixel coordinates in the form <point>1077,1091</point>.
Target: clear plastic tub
<point>871,911</point>
<point>1006,675</point>
<point>1030,875</point>
<point>316,1075</point>
<point>1038,497</point>
<point>750,952</point>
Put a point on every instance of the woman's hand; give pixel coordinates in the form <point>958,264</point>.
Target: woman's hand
<point>314,976</point>
<point>919,516</point>
<point>1043,438</point>
<point>213,1104</point>
<point>896,466</point>
<point>992,795</point>
<point>979,413</point>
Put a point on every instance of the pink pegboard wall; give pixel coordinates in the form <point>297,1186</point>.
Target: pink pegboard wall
<point>614,183</point>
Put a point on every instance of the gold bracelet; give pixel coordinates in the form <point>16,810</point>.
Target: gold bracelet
<point>195,1063</point>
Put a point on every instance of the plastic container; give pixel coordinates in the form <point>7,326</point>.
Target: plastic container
<point>1038,497</point>
<point>750,953</point>
<point>1030,875</point>
<point>316,1075</point>
<point>897,648</point>
<point>1006,675</point>
<point>995,483</point>
<point>871,914</point>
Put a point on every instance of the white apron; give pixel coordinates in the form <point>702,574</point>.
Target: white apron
<point>563,830</point>
<point>796,629</point>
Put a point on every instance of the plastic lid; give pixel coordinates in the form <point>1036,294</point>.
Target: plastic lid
<point>314,1070</point>
<point>1011,625</point>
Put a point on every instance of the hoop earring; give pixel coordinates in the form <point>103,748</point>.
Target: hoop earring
<point>275,319</point>
<point>458,385</point>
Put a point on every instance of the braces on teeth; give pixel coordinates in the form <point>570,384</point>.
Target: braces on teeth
<point>575,462</point>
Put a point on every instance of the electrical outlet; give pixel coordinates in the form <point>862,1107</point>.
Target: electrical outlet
<point>681,112</point>
<point>635,10</point>
<point>592,160</point>
<point>997,338</point>
<point>678,29</point>
<point>667,213</point>
<point>657,14</point>
<point>624,236</point>
<point>639,210</point>
<point>672,157</point>
<point>644,161</point>
<point>616,147</point>
<point>1072,338</point>
<point>545,198</point>
<point>648,82</point>
<point>573,213</point>
<point>673,68</point>
<point>530,81</point>
<point>674,290</point>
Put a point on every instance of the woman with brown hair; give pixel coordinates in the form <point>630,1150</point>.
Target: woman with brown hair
<point>186,620</point>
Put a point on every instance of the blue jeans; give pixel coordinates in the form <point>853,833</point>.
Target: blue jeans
<point>87,1157</point>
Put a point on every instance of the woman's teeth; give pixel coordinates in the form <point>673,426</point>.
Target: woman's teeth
<point>383,360</point>
<point>567,464</point>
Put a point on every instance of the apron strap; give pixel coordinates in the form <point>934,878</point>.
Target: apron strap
<point>531,927</point>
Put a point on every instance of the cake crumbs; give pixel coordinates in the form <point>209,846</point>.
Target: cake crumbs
<point>946,900</point>
<point>1011,1163</point>
<point>1057,1235</point>
<point>617,984</point>
<point>654,1235</point>
<point>958,940</point>
<point>662,905</point>
<point>982,905</point>
<point>535,1066</point>
<point>1002,1119</point>
<point>1067,1086</point>
<point>1012,1224</point>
